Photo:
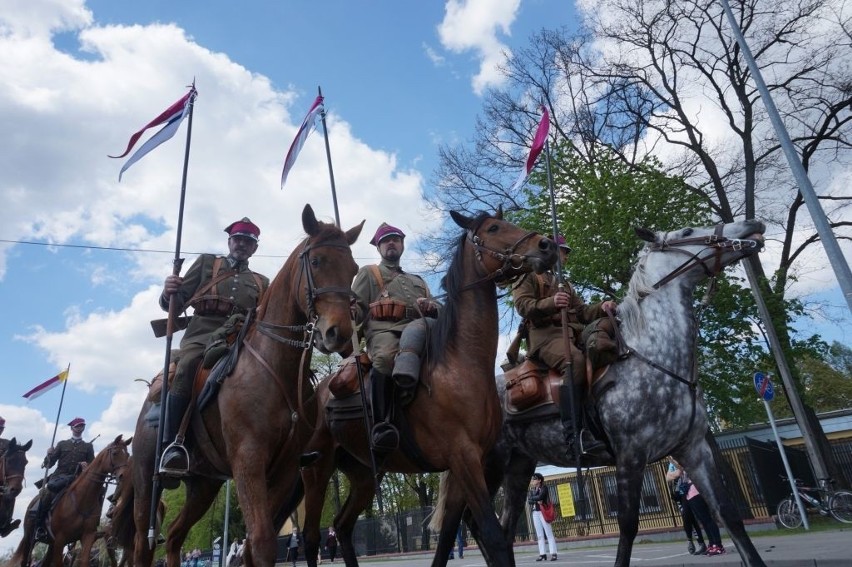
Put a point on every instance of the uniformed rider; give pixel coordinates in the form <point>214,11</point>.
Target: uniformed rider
<point>387,299</point>
<point>540,302</point>
<point>217,288</point>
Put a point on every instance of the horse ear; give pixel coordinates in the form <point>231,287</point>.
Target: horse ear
<point>118,439</point>
<point>353,233</point>
<point>126,443</point>
<point>645,233</point>
<point>309,220</point>
<point>499,214</point>
<point>461,220</point>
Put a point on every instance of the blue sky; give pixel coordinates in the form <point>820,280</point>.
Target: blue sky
<point>78,77</point>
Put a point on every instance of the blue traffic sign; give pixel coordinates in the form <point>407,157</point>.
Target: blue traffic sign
<point>763,385</point>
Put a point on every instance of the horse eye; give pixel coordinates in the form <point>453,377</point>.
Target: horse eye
<point>315,261</point>
<point>493,228</point>
<point>687,231</point>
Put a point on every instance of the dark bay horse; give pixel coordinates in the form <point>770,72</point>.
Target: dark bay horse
<point>653,406</point>
<point>258,425</point>
<point>455,417</point>
<point>77,511</point>
<point>13,462</point>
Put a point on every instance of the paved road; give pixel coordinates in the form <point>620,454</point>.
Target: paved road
<point>822,549</point>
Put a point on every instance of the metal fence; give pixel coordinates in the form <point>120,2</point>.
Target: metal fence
<point>749,470</point>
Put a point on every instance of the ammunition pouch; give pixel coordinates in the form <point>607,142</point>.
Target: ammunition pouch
<point>213,306</point>
<point>526,385</point>
<point>344,381</point>
<point>387,309</point>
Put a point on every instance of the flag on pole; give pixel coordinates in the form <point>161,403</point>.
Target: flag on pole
<point>308,126</point>
<point>537,145</point>
<point>171,117</point>
<point>47,385</point>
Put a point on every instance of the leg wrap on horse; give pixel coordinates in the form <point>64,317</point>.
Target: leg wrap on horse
<point>406,367</point>
<point>385,435</point>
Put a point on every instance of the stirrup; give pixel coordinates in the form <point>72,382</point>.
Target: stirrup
<point>595,446</point>
<point>170,471</point>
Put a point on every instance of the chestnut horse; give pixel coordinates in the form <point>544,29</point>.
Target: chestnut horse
<point>651,408</point>
<point>77,512</point>
<point>13,461</point>
<point>455,416</point>
<point>258,425</point>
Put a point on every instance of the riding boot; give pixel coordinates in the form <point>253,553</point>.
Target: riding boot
<point>385,435</point>
<point>42,508</point>
<point>588,444</point>
<point>175,460</point>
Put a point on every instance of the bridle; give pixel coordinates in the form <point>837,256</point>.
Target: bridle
<point>716,242</point>
<point>312,292</point>
<point>7,478</point>
<point>512,263</point>
<point>104,477</point>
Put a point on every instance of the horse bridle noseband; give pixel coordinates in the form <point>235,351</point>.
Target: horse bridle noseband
<point>717,241</point>
<point>513,262</point>
<point>4,488</point>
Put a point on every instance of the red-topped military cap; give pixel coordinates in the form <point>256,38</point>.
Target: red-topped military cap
<point>243,227</point>
<point>560,241</point>
<point>384,231</point>
<point>77,421</point>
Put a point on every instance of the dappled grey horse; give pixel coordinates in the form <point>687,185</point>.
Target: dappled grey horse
<point>652,404</point>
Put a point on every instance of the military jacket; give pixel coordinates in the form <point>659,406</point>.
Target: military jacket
<point>533,297</point>
<point>67,454</point>
<point>396,284</point>
<point>237,293</point>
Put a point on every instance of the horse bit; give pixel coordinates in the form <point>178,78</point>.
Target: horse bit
<point>512,261</point>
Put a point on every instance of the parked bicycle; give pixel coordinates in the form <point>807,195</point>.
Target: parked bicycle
<point>824,499</point>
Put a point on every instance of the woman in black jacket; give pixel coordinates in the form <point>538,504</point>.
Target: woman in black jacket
<point>539,494</point>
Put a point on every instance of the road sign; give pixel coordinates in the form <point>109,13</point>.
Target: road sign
<point>763,385</point>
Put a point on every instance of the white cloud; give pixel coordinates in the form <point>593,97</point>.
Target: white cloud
<point>473,25</point>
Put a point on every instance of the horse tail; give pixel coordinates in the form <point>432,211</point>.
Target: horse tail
<point>441,505</point>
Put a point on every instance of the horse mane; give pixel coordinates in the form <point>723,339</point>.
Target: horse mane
<point>446,326</point>
<point>629,310</point>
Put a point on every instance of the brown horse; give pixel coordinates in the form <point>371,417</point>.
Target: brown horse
<point>455,416</point>
<point>258,425</point>
<point>77,511</point>
<point>13,461</point>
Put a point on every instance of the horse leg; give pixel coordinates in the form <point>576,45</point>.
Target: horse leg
<point>253,496</point>
<point>316,479</point>
<point>86,542</point>
<point>362,489</point>
<point>451,504</point>
<point>629,483</point>
<point>516,481</point>
<point>471,475</point>
<point>200,493</point>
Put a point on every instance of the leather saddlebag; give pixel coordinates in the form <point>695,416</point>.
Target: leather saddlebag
<point>344,381</point>
<point>525,385</point>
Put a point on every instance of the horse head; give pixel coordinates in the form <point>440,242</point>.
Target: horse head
<point>327,269</point>
<point>504,250</point>
<point>115,458</point>
<point>14,461</point>
<point>699,252</point>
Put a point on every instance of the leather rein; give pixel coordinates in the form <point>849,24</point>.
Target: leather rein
<point>312,292</point>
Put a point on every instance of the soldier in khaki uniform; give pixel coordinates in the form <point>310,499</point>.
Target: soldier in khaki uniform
<point>540,302</point>
<point>70,457</point>
<point>387,299</point>
<point>216,287</point>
